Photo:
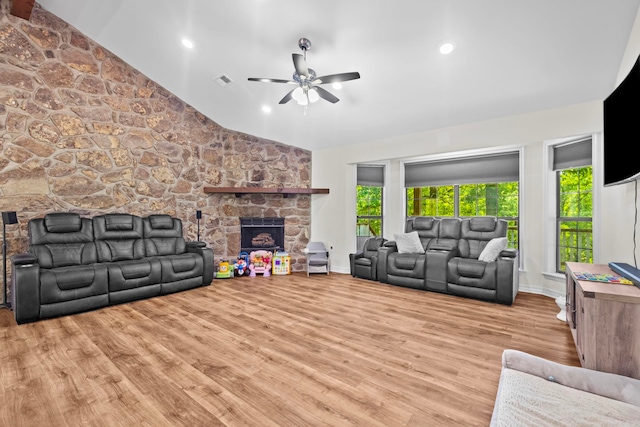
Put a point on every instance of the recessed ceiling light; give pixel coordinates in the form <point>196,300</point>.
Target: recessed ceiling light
<point>446,48</point>
<point>266,109</point>
<point>187,43</point>
<point>337,86</point>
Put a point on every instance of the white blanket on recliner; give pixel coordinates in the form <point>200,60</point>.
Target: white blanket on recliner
<point>527,400</point>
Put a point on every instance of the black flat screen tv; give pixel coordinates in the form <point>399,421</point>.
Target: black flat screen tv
<point>621,127</point>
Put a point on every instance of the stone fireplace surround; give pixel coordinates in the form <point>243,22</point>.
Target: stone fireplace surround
<point>82,131</point>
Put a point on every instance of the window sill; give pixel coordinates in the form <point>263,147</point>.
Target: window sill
<point>556,277</point>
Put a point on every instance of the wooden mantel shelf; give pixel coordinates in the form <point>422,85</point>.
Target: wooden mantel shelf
<point>238,191</point>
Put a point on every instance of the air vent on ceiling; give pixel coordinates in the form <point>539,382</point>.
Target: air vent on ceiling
<point>223,80</point>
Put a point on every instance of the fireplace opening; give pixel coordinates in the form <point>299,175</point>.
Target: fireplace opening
<point>261,234</point>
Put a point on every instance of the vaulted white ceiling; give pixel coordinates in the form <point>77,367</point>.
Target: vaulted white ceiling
<point>511,57</point>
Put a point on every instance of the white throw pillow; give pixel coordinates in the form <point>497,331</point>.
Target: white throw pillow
<point>409,243</point>
<point>492,250</point>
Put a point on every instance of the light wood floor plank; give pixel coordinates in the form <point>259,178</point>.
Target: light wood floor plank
<point>274,351</point>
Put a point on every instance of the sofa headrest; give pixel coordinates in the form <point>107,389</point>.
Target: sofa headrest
<point>373,243</point>
<point>423,223</point>
<point>486,223</point>
<point>450,228</point>
<point>161,222</point>
<point>62,222</point>
<point>118,222</point>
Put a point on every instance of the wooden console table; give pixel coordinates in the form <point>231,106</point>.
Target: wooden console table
<point>605,321</point>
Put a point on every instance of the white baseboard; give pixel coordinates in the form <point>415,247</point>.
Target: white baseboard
<point>340,270</point>
<point>540,291</point>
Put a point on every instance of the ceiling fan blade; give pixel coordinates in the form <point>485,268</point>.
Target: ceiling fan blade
<point>287,97</point>
<point>300,64</point>
<point>324,94</point>
<point>334,78</point>
<point>259,79</point>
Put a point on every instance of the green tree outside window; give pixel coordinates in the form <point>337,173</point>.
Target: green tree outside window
<point>494,199</point>
<point>431,201</point>
<point>574,242</point>
<point>368,213</point>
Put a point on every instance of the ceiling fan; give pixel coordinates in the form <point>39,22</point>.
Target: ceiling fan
<point>308,90</point>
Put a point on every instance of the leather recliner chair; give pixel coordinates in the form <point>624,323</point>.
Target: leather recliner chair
<point>408,269</point>
<point>469,277</point>
<point>365,264</point>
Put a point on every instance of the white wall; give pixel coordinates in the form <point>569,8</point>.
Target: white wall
<point>333,215</point>
<point>618,202</point>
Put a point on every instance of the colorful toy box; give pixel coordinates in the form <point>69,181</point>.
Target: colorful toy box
<point>281,264</point>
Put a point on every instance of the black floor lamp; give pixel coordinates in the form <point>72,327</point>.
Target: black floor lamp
<point>7,218</point>
<point>198,217</point>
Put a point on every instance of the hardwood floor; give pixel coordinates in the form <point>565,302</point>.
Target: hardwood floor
<point>273,351</point>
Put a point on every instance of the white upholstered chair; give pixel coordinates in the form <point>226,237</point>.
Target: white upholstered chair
<point>318,260</point>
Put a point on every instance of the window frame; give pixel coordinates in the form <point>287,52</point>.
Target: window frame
<point>550,202</point>
<point>522,188</point>
<point>385,166</point>
<point>370,217</point>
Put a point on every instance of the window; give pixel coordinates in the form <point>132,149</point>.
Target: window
<point>369,192</point>
<point>574,222</point>
<point>574,203</point>
<point>497,199</point>
<point>484,185</point>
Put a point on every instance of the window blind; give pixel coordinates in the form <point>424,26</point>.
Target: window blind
<point>503,167</point>
<point>371,175</point>
<point>574,154</point>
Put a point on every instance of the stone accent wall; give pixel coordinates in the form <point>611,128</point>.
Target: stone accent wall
<point>82,131</point>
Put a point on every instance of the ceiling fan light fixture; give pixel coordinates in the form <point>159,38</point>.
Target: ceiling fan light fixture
<point>308,88</point>
<point>298,94</point>
<point>313,95</point>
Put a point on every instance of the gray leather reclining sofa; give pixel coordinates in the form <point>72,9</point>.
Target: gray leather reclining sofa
<point>77,264</point>
<point>449,263</point>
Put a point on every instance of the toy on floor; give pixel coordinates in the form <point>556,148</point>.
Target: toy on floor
<point>281,263</point>
<point>223,270</point>
<point>260,263</point>
<point>242,264</point>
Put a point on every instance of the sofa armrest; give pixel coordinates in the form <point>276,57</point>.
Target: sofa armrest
<point>383,259</point>
<point>25,285</point>
<point>24,259</point>
<point>508,253</point>
<point>207,258</point>
<point>507,279</point>
<point>617,387</point>
<point>436,264</point>
<point>390,244</point>
<point>196,244</point>
<point>352,258</point>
